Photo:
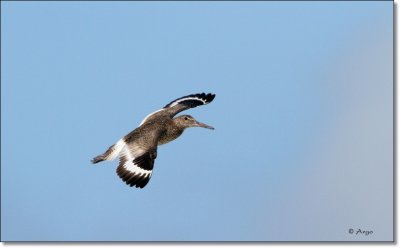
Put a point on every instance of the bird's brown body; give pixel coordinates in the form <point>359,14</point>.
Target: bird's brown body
<point>171,132</point>
<point>167,131</point>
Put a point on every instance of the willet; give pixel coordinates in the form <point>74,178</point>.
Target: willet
<point>138,149</point>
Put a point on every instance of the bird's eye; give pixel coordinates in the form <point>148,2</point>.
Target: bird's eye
<point>186,118</point>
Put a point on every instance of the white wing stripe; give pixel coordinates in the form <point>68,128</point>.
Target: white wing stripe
<point>148,116</point>
<point>131,167</point>
<point>188,98</point>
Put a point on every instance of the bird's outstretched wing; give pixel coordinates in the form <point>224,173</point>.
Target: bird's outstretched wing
<point>181,104</point>
<point>136,171</point>
<point>136,160</point>
<point>191,101</point>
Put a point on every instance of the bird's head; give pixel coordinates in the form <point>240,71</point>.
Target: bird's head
<point>186,121</point>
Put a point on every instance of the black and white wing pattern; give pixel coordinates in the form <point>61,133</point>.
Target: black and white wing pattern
<point>136,166</point>
<point>181,104</point>
<point>192,101</point>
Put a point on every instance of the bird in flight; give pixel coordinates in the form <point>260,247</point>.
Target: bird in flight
<point>138,149</point>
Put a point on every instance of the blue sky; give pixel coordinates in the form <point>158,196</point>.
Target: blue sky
<point>302,148</point>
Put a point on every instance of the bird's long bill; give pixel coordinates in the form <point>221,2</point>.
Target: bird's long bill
<point>199,124</point>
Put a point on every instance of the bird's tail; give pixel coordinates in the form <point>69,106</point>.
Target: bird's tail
<point>111,153</point>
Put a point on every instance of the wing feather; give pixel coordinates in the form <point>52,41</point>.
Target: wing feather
<point>192,101</point>
<point>135,171</point>
<point>179,105</point>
